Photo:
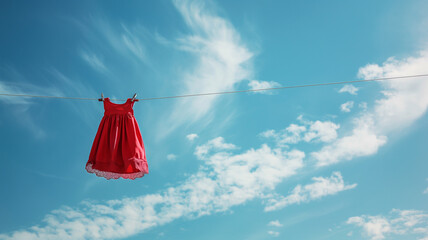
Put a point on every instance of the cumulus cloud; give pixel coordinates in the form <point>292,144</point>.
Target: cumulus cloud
<point>404,102</point>
<point>361,142</point>
<point>214,144</point>
<point>290,135</point>
<point>397,222</point>
<point>346,107</point>
<point>324,131</point>
<point>192,136</point>
<point>375,227</point>
<point>254,84</point>
<point>351,89</point>
<point>273,233</point>
<point>275,223</point>
<point>363,105</point>
<point>171,156</point>
<point>310,131</point>
<point>319,188</point>
<point>226,179</point>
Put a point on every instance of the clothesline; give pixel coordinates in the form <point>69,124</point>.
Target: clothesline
<point>226,92</point>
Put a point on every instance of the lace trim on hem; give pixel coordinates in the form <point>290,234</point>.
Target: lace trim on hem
<point>110,175</point>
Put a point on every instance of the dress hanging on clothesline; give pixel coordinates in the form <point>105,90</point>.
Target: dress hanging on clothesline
<point>118,148</point>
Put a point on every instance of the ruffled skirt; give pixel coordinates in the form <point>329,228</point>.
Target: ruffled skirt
<point>118,149</point>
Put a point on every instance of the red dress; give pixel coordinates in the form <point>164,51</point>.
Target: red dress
<point>118,148</point>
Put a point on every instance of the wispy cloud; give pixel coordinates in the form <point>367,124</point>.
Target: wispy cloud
<point>320,187</point>
<point>351,89</point>
<point>403,103</point>
<point>171,156</point>
<point>55,84</point>
<point>134,44</point>
<point>16,83</point>
<point>126,41</point>
<point>221,61</point>
<point>94,61</point>
<point>76,88</point>
<point>397,222</point>
<point>108,44</point>
<point>22,107</point>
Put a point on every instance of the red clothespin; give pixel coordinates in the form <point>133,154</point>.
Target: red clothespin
<point>134,98</point>
<point>102,98</point>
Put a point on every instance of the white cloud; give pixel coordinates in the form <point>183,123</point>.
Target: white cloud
<point>404,102</point>
<point>94,61</point>
<point>269,134</point>
<point>375,227</point>
<point>275,223</point>
<point>292,134</point>
<point>310,131</point>
<point>214,144</point>
<point>192,136</point>
<point>320,188</point>
<point>349,89</point>
<point>171,156</point>
<point>254,84</point>
<point>398,222</point>
<point>225,180</point>
<point>324,131</point>
<point>289,135</point>
<point>361,142</point>
<point>346,107</point>
<point>221,62</point>
<point>363,105</point>
<point>273,233</point>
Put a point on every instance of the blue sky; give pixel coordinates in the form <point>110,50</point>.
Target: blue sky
<point>333,162</point>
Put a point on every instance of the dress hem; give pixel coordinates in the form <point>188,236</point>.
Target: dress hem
<point>113,175</point>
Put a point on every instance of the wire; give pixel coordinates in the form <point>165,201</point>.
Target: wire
<point>37,96</point>
<point>228,92</point>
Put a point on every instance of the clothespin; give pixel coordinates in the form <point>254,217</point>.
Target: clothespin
<point>102,98</point>
<point>134,98</point>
